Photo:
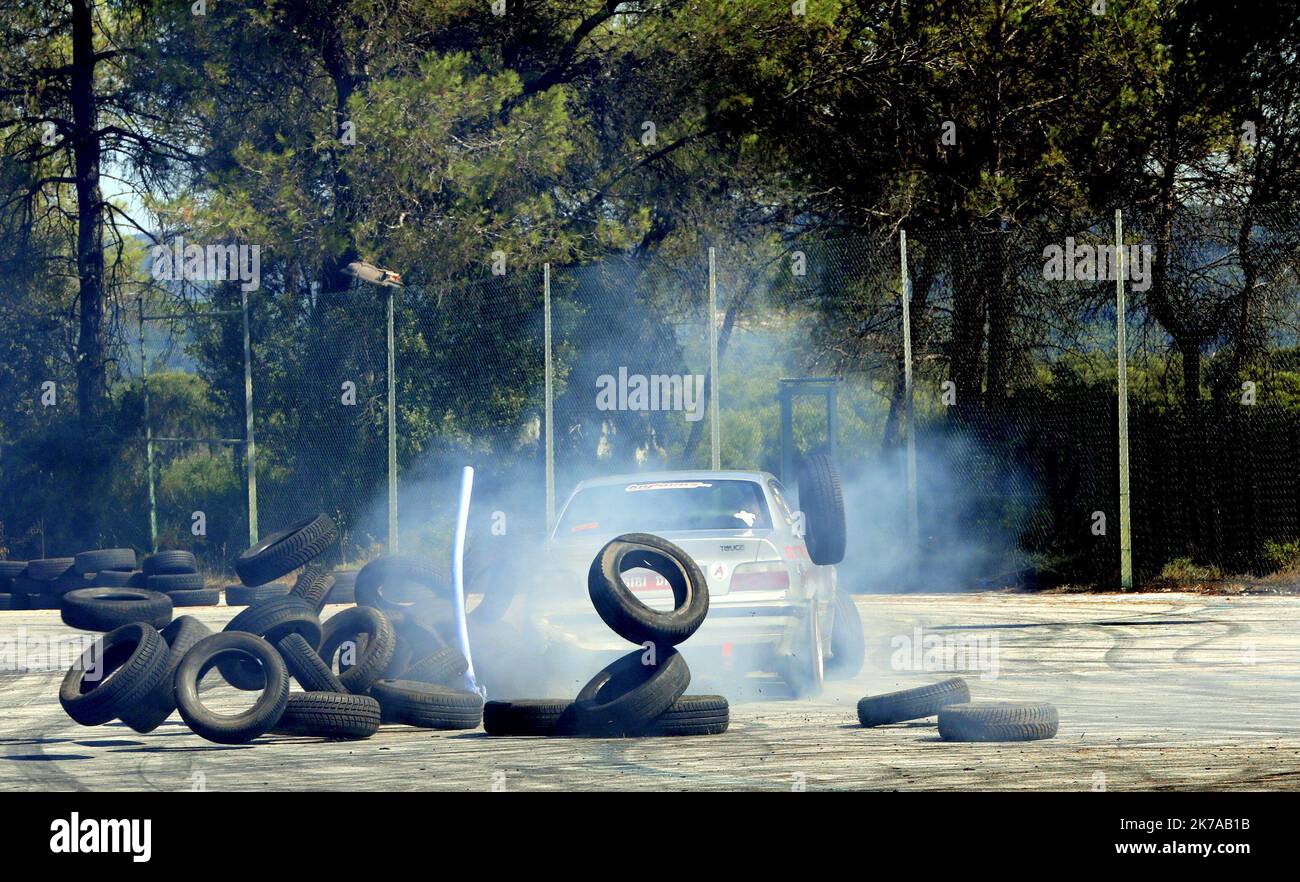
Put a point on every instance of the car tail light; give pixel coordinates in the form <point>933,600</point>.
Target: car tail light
<point>772,576</point>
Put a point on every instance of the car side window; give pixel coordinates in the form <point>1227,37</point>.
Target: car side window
<point>779,495</point>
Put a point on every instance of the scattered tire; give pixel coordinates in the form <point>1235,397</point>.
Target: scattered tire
<point>204,597</point>
<point>998,721</point>
<point>821,499</point>
<point>286,550</point>
<point>169,582</point>
<point>691,715</point>
<point>848,642</point>
<point>104,559</point>
<point>12,569</point>
<point>114,674</point>
<point>167,563</point>
<point>912,704</point>
<point>627,695</point>
<point>158,705</point>
<point>534,716</point>
<point>121,579</point>
<point>49,569</point>
<point>330,715</point>
<point>379,584</point>
<point>444,666</point>
<point>305,666</point>
<point>105,609</point>
<point>232,728</point>
<point>630,618</point>
<point>313,585</point>
<point>374,642</point>
<point>273,619</point>
<point>242,595</point>
<point>428,706</point>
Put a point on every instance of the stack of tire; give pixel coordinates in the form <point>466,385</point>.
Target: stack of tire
<point>40,584</point>
<point>961,719</point>
<point>176,574</point>
<point>120,594</point>
<point>644,692</point>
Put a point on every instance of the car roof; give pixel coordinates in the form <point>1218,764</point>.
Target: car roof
<point>681,475</point>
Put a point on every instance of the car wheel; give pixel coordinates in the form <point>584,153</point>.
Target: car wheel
<point>848,643</point>
<point>804,670</point>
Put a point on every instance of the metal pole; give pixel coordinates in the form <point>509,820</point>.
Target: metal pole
<point>913,517</point>
<point>550,400</point>
<point>1121,357</point>
<point>250,445</point>
<point>715,427</point>
<point>392,433</point>
<point>148,435</point>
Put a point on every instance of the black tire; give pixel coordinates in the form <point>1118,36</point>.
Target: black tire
<point>330,715</point>
<point>158,705</point>
<point>103,560</point>
<point>375,641</point>
<point>313,585</point>
<point>44,601</point>
<point>821,499</point>
<point>121,579</point>
<point>106,609</point>
<point>49,569</point>
<point>379,585</point>
<point>233,728</point>
<point>205,597</point>
<point>25,586</point>
<point>273,619</point>
<point>630,618</point>
<point>498,583</point>
<point>848,642</point>
<point>176,582</point>
<point>242,595</point>
<point>534,716</point>
<point>12,569</point>
<point>114,675</point>
<point>286,550</point>
<point>912,704</point>
<point>305,666</point>
<point>998,721</point>
<point>445,666</point>
<point>428,706</point>
<point>626,695</point>
<point>343,592</point>
<point>691,715</point>
<point>165,563</point>
<point>7,602</point>
<point>66,583</point>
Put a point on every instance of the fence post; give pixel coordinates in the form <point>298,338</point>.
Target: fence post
<point>715,426</point>
<point>1121,356</point>
<point>913,515</point>
<point>250,445</point>
<point>148,434</point>
<point>550,399</point>
<point>392,432</point>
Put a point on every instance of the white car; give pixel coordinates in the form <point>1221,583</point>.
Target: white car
<point>771,606</point>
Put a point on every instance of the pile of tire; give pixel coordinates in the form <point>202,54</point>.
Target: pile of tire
<point>644,692</point>
<point>961,719</point>
<point>390,669</point>
<point>169,578</point>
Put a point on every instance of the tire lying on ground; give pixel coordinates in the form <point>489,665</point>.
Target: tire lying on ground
<point>115,674</point>
<point>372,644</point>
<point>104,609</point>
<point>848,642</point>
<point>998,721</point>
<point>630,618</point>
<point>305,666</point>
<point>531,716</point>
<point>165,563</point>
<point>158,705</point>
<point>204,597</point>
<point>428,706</point>
<point>242,595</point>
<point>627,695</point>
<point>912,704</point>
<point>344,590</point>
<point>821,500</point>
<point>313,585</point>
<point>286,550</point>
<point>49,569</point>
<point>252,723</point>
<point>330,715</point>
<point>273,619</point>
<point>445,666</point>
<point>104,559</point>
<point>121,579</point>
<point>169,582</point>
<point>691,715</point>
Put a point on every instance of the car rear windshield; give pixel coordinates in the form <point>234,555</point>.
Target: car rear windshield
<point>659,506</point>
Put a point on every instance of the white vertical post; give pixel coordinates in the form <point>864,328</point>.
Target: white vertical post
<point>250,446</point>
<point>715,425</point>
<point>148,435</point>
<point>913,515</point>
<point>550,400</point>
<point>392,432</point>
<point>1121,357</point>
